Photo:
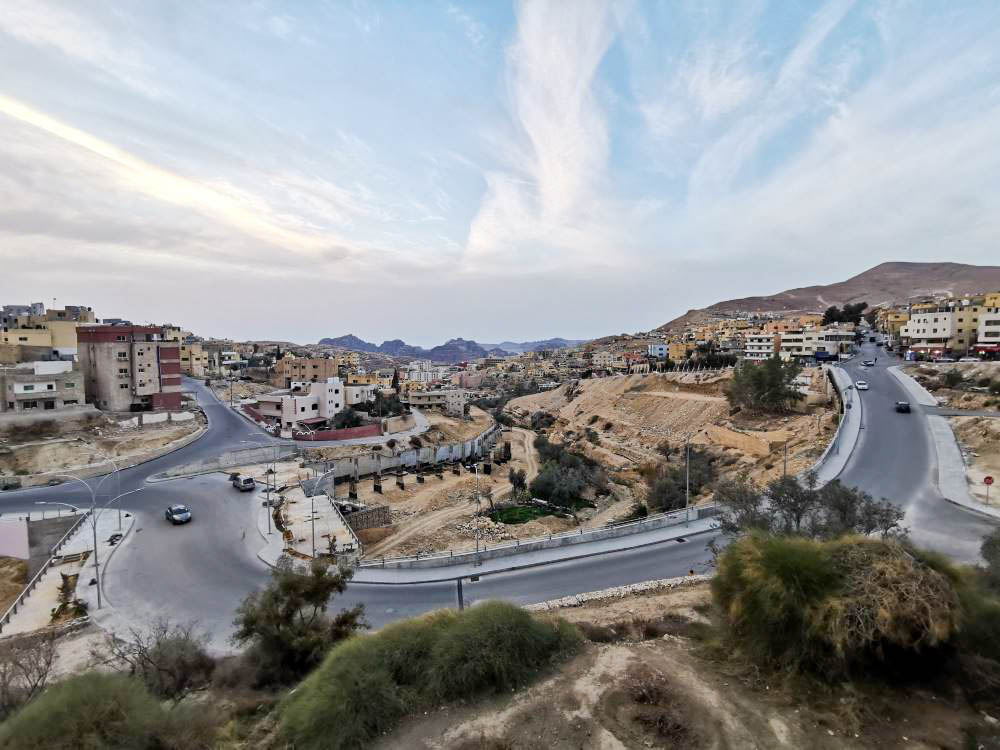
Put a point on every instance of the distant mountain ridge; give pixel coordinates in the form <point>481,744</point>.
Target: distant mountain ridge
<point>452,351</point>
<point>886,283</point>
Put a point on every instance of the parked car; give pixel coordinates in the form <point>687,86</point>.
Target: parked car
<point>970,359</point>
<point>861,385</point>
<point>944,359</point>
<point>903,407</point>
<point>178,514</point>
<point>244,484</point>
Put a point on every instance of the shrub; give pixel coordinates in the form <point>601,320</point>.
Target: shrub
<point>835,606</point>
<point>495,647</point>
<point>368,683</point>
<point>951,378</point>
<point>104,710</point>
<point>25,664</point>
<point>346,419</point>
<point>984,382</point>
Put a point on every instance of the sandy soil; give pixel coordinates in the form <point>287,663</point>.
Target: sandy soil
<point>979,438</point>
<point>76,450</point>
<point>445,429</point>
<point>971,394</point>
<point>240,390</point>
<point>13,576</point>
<point>669,691</point>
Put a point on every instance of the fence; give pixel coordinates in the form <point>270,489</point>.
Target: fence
<point>29,587</point>
<point>520,546</point>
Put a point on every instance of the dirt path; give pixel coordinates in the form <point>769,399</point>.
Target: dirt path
<point>685,395</point>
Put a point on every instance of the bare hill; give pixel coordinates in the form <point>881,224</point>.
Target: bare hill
<point>885,283</point>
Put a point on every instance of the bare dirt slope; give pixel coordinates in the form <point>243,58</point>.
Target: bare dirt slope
<point>13,576</point>
<point>886,282</point>
<point>658,683</point>
<point>980,441</point>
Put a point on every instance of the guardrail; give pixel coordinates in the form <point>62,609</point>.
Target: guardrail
<point>29,587</point>
<point>693,513</point>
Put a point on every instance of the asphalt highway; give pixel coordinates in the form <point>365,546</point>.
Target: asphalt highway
<point>895,459</point>
<point>201,571</point>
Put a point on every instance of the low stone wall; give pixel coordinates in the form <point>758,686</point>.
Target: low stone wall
<point>348,433</point>
<point>619,592</point>
<point>369,518</point>
<point>530,545</point>
<point>400,424</point>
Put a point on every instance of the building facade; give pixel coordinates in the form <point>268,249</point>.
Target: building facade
<point>129,368</point>
<point>451,400</point>
<point>40,386</point>
<point>305,405</point>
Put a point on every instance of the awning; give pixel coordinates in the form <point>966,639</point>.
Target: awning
<point>312,420</point>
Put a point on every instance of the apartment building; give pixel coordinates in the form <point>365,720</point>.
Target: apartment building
<point>359,393</point>
<point>944,330</point>
<point>759,346</point>
<point>659,351</point>
<point>677,351</point>
<point>40,386</point>
<point>988,335</point>
<point>31,333</point>
<point>451,400</point>
<point>129,368</point>
<point>290,369</point>
<point>305,404</point>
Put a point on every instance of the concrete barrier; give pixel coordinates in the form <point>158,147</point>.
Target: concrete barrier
<point>551,541</point>
<point>838,452</point>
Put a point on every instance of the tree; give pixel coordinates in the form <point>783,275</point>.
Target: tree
<point>831,315</point>
<point>766,387</point>
<point>743,506</point>
<point>347,418</point>
<point>990,550</point>
<point>25,665</point>
<point>518,481</point>
<point>395,380</point>
<point>792,502</point>
<point>285,624</point>
<point>170,659</point>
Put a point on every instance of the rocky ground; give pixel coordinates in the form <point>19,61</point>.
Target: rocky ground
<point>979,438</point>
<point>972,393</point>
<point>655,675</point>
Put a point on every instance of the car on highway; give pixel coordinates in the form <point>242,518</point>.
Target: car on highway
<point>903,407</point>
<point>861,385</point>
<point>178,514</point>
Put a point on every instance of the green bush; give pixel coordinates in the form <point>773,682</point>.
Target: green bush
<point>495,647</point>
<point>834,606</point>
<point>368,683</point>
<point>104,710</point>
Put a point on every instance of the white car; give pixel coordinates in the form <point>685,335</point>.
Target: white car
<point>970,359</point>
<point>861,385</point>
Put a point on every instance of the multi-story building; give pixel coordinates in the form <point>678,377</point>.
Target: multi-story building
<point>41,334</point>
<point>657,350</point>
<point>452,400</point>
<point>41,386</point>
<point>304,404</point>
<point>988,335</point>
<point>677,351</point>
<point>289,369</point>
<point>129,368</point>
<point>950,328</point>
<point>359,393</point>
<point>759,346</point>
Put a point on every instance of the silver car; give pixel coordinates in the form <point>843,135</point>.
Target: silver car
<point>178,514</point>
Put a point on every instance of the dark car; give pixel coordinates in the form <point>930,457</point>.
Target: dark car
<point>903,407</point>
<point>178,514</point>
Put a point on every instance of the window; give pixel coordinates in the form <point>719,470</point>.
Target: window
<point>123,371</point>
<point>119,338</point>
<point>49,387</point>
<point>123,386</point>
<point>69,385</point>
<point>22,338</point>
<point>70,402</point>
<point>29,388</point>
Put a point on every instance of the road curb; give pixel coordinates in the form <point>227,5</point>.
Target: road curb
<point>525,566</point>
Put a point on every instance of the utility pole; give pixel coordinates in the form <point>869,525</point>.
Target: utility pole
<point>687,475</point>
<point>312,518</point>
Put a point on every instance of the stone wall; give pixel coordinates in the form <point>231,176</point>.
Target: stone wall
<point>399,424</point>
<point>369,518</point>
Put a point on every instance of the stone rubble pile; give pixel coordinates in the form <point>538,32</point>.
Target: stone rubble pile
<point>619,592</point>
<point>483,528</point>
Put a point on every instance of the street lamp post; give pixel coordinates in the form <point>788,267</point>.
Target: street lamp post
<point>267,485</point>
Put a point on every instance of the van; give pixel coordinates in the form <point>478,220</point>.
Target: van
<point>244,484</point>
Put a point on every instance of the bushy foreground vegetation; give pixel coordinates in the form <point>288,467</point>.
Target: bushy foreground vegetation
<point>105,710</point>
<point>861,606</point>
<point>368,683</point>
<point>566,475</point>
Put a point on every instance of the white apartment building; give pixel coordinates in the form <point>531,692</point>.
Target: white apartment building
<point>657,350</point>
<point>304,404</point>
<point>758,346</point>
<point>603,359</point>
<point>359,394</point>
<point>808,342</point>
<point>934,332</point>
<point>989,330</point>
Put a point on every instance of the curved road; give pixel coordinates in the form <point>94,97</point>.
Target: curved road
<point>201,571</point>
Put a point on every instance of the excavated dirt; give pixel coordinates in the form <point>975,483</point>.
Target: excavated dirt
<point>979,438</point>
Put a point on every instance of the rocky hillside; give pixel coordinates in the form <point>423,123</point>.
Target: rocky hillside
<point>450,352</point>
<point>885,283</point>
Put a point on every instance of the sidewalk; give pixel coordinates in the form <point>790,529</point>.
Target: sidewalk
<point>952,481</point>
<point>840,449</point>
<point>372,574</point>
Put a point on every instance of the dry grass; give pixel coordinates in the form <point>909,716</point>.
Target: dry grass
<point>13,577</point>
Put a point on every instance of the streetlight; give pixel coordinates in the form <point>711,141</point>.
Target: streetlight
<point>312,506</point>
<point>267,489</point>
<point>93,524</point>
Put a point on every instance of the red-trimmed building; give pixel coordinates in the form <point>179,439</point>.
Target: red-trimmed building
<point>129,368</point>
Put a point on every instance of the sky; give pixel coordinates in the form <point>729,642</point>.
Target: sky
<point>425,170</point>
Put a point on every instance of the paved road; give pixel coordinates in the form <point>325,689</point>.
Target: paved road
<point>201,571</point>
<point>894,458</point>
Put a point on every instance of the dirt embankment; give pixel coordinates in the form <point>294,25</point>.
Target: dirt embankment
<point>979,387</point>
<point>979,438</point>
<point>624,422</point>
<point>13,577</point>
<point>119,438</point>
<point>655,676</point>
<point>439,514</point>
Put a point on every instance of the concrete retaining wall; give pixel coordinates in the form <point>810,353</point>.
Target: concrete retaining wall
<point>838,452</point>
<point>400,424</point>
<point>348,433</point>
<point>369,518</point>
<point>555,540</point>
